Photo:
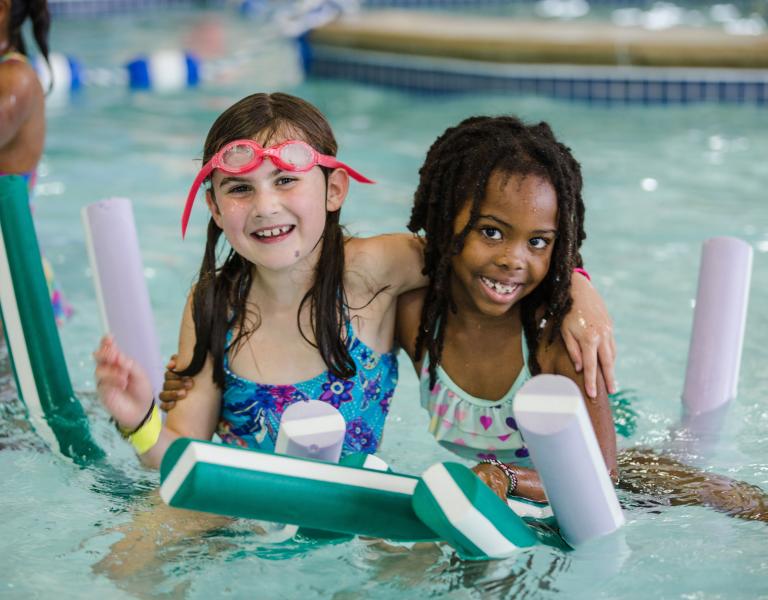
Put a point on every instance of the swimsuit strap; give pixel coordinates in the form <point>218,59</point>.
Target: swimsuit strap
<point>13,55</point>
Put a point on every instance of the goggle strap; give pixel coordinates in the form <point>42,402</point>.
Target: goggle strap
<point>204,172</point>
<point>332,163</point>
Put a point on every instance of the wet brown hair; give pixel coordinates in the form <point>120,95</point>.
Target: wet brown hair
<point>37,12</point>
<point>219,298</point>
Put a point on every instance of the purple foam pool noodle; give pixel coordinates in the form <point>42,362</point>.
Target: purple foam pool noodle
<point>555,425</point>
<point>121,289</point>
<point>719,319</point>
<point>312,429</point>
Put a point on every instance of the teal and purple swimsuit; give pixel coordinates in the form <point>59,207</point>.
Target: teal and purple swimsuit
<point>251,412</point>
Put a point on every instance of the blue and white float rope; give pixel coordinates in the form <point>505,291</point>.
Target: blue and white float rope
<point>163,71</point>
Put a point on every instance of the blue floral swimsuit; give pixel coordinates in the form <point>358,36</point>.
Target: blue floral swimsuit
<point>251,412</point>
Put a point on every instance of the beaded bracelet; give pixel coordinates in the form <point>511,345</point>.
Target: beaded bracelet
<point>511,475</point>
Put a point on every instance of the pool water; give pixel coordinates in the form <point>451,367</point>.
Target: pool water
<point>659,181</point>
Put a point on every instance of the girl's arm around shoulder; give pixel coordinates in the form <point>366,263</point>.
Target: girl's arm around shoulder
<point>395,260</point>
<point>554,359</point>
<point>588,334</point>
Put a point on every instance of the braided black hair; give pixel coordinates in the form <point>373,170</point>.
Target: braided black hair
<point>37,12</point>
<point>457,170</point>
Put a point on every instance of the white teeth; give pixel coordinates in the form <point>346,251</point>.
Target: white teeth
<point>501,288</point>
<point>266,233</point>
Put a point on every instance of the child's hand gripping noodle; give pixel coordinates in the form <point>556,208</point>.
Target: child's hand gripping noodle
<point>126,392</point>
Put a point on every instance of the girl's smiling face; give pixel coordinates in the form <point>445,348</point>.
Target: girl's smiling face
<point>273,218</point>
<point>507,253</point>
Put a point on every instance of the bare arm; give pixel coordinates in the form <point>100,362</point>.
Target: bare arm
<point>198,416</point>
<point>20,93</point>
<point>395,260</point>
<point>587,331</point>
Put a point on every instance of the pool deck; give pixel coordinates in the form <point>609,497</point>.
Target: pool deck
<point>507,40</point>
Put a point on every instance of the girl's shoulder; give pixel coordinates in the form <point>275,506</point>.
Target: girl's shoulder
<point>17,70</point>
<point>19,77</point>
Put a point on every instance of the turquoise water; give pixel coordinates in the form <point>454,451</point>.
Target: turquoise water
<point>658,182</point>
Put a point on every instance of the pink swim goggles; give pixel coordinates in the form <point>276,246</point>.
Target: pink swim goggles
<point>242,156</point>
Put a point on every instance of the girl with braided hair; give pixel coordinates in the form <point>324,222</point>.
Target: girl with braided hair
<point>499,204</point>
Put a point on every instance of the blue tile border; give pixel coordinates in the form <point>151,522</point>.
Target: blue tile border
<point>598,84</point>
<point>468,4</point>
<point>94,8</point>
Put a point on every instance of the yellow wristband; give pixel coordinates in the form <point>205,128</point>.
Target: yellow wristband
<point>147,435</point>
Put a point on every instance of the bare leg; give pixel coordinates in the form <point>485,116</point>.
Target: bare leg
<point>135,562</point>
<point>645,472</point>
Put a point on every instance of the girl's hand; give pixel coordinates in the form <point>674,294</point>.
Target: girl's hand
<point>124,388</point>
<point>494,478</point>
<point>174,386</point>
<point>587,331</point>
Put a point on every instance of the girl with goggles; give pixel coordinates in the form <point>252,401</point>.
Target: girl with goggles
<point>255,338</point>
<point>330,336</point>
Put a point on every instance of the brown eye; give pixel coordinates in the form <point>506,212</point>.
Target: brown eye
<point>491,233</point>
<point>240,188</point>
